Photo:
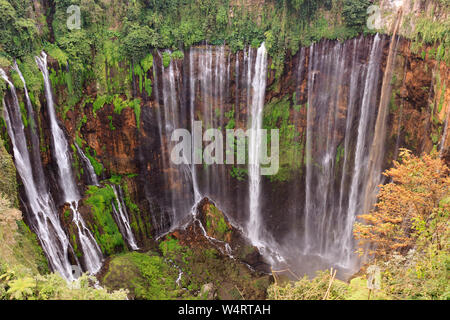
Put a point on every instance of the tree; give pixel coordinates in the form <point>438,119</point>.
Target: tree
<point>17,33</point>
<point>138,41</point>
<point>414,206</point>
<point>355,12</point>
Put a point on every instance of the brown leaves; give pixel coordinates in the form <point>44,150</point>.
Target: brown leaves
<point>418,186</point>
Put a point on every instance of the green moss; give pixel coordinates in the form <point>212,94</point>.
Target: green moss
<point>231,121</point>
<point>55,52</point>
<point>145,275</point>
<point>216,224</point>
<point>277,116</point>
<point>67,213</point>
<point>148,86</point>
<point>98,167</point>
<point>105,229</point>
<point>111,126</point>
<point>136,106</point>
<point>339,153</point>
<point>442,98</point>
<point>77,251</point>
<point>429,31</point>
<point>166,59</point>
<point>28,251</point>
<point>23,112</point>
<point>170,248</point>
<point>99,103</point>
<point>239,173</point>
<point>119,104</point>
<point>147,63</point>
<point>4,62</point>
<point>205,264</point>
<point>177,55</point>
<point>76,162</point>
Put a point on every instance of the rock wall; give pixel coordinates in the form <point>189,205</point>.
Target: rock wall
<point>418,108</point>
<point>133,150</point>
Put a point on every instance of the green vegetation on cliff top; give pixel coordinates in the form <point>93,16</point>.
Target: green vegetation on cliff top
<point>111,34</point>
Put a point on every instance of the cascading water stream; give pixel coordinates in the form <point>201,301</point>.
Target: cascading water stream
<point>331,201</point>
<point>93,179</point>
<point>34,137</point>
<point>197,195</point>
<point>41,209</point>
<point>354,80</point>
<point>91,251</point>
<point>360,166</point>
<point>257,105</point>
<point>308,154</point>
<point>122,218</point>
<point>376,151</point>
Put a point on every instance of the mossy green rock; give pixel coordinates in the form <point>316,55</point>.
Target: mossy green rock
<point>216,225</point>
<point>145,275</point>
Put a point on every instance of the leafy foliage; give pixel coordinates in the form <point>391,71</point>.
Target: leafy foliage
<point>145,275</point>
<point>105,228</point>
<point>277,115</point>
<point>355,13</point>
<point>138,41</point>
<point>418,275</point>
<point>8,184</point>
<point>52,286</point>
<point>18,32</point>
<point>317,288</point>
<point>408,232</point>
<point>415,203</point>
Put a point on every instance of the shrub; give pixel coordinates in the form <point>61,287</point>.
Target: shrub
<point>354,13</point>
<point>138,42</point>
<point>321,286</point>
<point>105,229</point>
<point>412,205</point>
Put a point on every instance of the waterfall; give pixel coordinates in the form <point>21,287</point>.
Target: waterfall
<point>308,150</point>
<point>34,137</point>
<point>342,89</point>
<point>176,206</point>
<point>91,251</point>
<point>376,152</point>
<point>159,223</point>
<point>197,195</point>
<point>93,179</point>
<point>121,215</point>
<point>360,167</point>
<point>332,201</point>
<point>354,80</point>
<point>257,105</point>
<point>343,152</point>
<point>40,207</point>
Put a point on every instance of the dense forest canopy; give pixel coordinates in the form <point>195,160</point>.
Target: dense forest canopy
<point>129,30</point>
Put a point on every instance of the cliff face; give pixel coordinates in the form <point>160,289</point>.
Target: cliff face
<point>418,110</point>
<point>324,102</point>
<point>415,14</point>
<point>118,115</point>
